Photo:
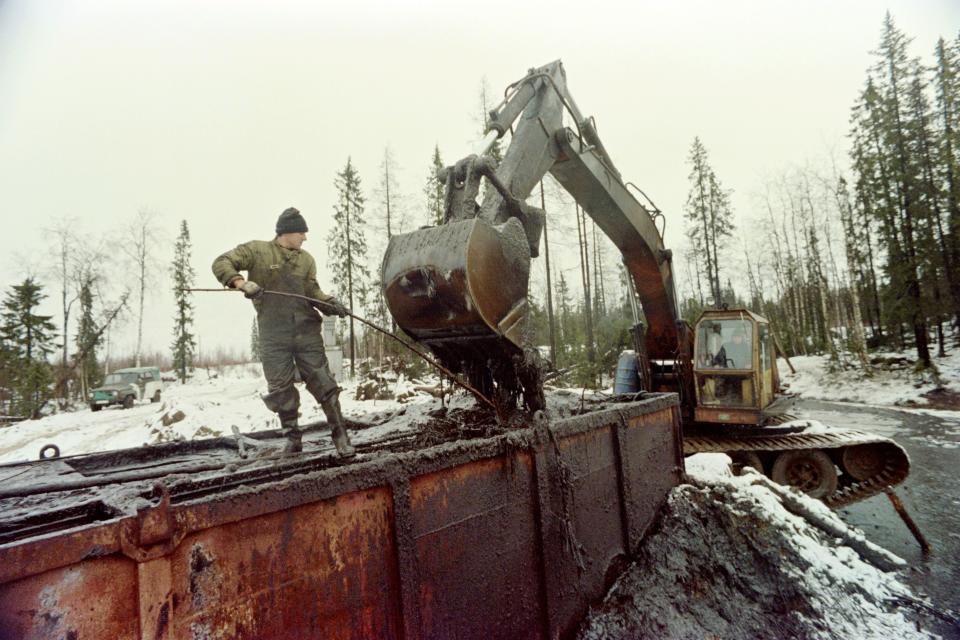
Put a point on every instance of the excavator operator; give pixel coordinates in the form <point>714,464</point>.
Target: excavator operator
<point>736,354</point>
<point>290,328</point>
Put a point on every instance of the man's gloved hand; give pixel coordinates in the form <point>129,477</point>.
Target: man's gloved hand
<point>251,290</point>
<point>337,308</point>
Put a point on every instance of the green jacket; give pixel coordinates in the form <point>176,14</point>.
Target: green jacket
<point>277,269</point>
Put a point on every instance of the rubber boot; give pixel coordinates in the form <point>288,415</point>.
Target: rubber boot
<point>338,432</point>
<point>292,433</point>
<point>294,443</point>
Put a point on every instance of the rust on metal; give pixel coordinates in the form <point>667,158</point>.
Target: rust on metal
<point>500,537</point>
<point>907,520</point>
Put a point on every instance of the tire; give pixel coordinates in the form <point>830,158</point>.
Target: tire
<point>810,471</point>
<point>95,407</point>
<point>156,396</point>
<point>741,459</point>
<point>128,402</point>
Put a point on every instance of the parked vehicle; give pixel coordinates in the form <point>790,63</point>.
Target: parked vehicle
<point>127,386</point>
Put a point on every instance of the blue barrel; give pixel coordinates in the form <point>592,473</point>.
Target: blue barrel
<point>628,379</point>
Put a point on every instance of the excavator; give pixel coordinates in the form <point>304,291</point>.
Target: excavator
<point>460,288</point>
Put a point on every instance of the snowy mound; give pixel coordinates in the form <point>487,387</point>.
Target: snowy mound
<point>741,557</point>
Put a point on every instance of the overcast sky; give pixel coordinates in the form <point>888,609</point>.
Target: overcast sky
<point>223,113</point>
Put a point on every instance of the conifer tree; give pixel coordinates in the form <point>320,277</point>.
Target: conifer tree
<point>28,338</point>
<point>888,125</point>
<point>947,106</point>
<point>87,339</point>
<point>562,297</point>
<point>434,189</point>
<point>347,244</point>
<point>184,344</point>
<point>709,216</point>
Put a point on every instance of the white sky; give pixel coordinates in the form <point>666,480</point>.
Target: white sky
<point>223,113</point>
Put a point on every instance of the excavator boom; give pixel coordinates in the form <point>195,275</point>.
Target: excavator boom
<point>461,287</point>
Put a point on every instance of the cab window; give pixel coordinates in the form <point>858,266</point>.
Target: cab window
<point>725,344</point>
<point>726,390</point>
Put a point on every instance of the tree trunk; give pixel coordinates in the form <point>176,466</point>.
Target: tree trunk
<point>546,250</point>
<point>585,276</point>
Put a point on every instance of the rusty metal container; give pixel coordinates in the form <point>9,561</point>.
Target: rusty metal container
<point>504,537</point>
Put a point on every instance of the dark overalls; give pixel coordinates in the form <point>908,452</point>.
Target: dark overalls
<point>291,338</point>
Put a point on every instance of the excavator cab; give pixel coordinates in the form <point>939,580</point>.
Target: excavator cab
<point>734,367</point>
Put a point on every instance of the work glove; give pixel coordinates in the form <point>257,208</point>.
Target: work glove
<point>337,308</point>
<point>251,290</point>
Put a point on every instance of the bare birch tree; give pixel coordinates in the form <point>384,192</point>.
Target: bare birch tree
<point>139,244</point>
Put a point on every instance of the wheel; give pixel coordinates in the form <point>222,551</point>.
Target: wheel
<point>863,461</point>
<point>810,471</point>
<point>95,407</point>
<point>128,402</point>
<point>741,459</point>
<point>156,396</point>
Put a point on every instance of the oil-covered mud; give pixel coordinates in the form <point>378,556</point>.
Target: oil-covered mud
<point>733,559</point>
<point>454,424</point>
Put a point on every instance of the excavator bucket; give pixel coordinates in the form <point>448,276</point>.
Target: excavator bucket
<point>460,286</point>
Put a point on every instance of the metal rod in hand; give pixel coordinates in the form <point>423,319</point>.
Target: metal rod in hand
<point>433,363</point>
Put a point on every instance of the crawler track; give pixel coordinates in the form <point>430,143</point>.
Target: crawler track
<point>894,468</point>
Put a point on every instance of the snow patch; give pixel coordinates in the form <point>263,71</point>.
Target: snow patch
<point>892,381</point>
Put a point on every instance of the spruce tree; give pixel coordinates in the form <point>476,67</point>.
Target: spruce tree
<point>347,244</point>
<point>947,106</point>
<point>434,189</point>
<point>709,216</point>
<point>903,216</point>
<point>184,343</point>
<point>87,339</point>
<point>28,338</point>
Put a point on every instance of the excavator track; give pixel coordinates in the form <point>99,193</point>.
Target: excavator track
<point>890,467</point>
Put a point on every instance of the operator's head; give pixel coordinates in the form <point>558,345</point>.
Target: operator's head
<point>291,229</point>
<point>738,335</point>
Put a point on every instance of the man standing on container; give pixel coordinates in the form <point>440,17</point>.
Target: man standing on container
<point>290,328</point>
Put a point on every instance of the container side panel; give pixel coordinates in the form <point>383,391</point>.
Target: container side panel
<point>591,522</point>
<point>655,467</point>
<point>478,550</point>
<point>325,570</point>
<point>94,599</point>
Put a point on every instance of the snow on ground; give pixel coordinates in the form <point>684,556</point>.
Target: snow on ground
<point>741,557</point>
<point>893,381</point>
<point>210,403</point>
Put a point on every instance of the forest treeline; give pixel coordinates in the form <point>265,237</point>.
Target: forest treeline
<point>859,254</point>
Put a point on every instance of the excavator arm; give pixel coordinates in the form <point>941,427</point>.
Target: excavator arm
<point>461,287</point>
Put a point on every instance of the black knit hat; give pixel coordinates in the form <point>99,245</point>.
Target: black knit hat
<point>290,221</point>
